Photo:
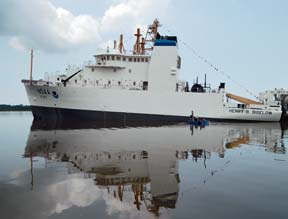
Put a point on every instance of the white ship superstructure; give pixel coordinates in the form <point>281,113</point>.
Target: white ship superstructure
<point>142,85</point>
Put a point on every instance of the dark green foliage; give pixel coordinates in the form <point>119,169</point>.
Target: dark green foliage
<point>5,107</point>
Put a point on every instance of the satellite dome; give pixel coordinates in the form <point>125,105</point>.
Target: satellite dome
<point>197,88</point>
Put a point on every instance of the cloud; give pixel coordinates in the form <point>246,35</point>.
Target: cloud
<point>73,192</point>
<point>41,25</point>
<point>125,15</point>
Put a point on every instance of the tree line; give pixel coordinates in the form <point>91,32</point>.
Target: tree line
<point>20,107</point>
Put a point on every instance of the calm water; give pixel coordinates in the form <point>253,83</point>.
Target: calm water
<point>220,171</point>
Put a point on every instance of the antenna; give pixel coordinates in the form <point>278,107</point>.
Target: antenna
<point>115,44</point>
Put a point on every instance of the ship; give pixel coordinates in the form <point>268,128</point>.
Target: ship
<point>139,85</point>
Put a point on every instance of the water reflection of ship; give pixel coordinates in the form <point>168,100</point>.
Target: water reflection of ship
<point>140,165</point>
<point>135,165</point>
<point>270,136</point>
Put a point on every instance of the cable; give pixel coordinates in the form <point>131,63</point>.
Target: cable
<point>211,65</point>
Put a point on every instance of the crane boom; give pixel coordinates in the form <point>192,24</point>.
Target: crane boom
<point>242,99</point>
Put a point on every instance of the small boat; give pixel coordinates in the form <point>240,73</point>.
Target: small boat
<point>198,122</point>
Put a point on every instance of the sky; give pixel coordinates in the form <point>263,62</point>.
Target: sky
<point>245,39</point>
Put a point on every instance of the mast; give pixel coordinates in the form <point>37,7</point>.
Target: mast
<point>31,66</point>
<point>137,44</point>
<point>121,44</point>
<point>152,33</point>
<point>142,48</point>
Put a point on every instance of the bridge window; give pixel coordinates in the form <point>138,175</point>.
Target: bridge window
<point>108,58</point>
<point>112,58</point>
<point>118,58</point>
<point>146,60</point>
<point>124,59</point>
<point>130,59</point>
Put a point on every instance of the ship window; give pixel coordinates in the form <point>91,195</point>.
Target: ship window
<point>130,59</point>
<point>145,85</point>
<point>142,60</point>
<point>108,57</point>
<point>85,81</point>
<point>119,82</point>
<point>130,70</point>
<point>97,82</point>
<point>146,60</point>
<point>114,69</point>
<point>109,82</point>
<point>118,58</point>
<point>58,79</point>
<point>134,83</point>
<point>112,58</point>
<point>179,62</point>
<point>135,60</point>
<point>92,69</point>
<point>75,81</point>
<point>138,60</point>
<point>124,59</point>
